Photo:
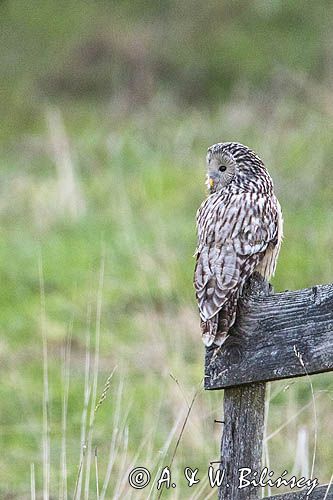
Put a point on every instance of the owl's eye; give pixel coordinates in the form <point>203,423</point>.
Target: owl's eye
<point>222,168</point>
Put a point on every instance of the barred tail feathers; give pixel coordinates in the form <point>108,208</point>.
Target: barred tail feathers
<point>216,329</point>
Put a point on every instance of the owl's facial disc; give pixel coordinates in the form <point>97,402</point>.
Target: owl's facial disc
<point>221,167</point>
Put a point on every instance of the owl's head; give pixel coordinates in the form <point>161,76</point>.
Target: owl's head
<point>232,162</point>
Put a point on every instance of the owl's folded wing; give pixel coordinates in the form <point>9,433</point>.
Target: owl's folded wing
<point>231,245</point>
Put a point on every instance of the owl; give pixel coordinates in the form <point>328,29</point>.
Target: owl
<point>239,229</point>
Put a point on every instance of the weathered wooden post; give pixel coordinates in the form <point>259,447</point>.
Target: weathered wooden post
<point>276,336</point>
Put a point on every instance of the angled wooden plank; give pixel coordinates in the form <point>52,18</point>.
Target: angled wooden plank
<point>277,336</point>
<point>324,492</point>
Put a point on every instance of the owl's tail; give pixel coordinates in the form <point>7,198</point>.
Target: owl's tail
<point>211,334</point>
<point>216,329</point>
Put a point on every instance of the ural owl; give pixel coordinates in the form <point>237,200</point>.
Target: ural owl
<point>239,231</point>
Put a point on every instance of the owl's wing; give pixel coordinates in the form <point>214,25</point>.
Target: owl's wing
<point>233,235</point>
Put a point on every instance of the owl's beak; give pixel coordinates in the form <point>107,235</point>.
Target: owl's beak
<point>212,181</point>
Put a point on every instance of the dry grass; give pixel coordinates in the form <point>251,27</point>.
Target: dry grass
<point>134,307</point>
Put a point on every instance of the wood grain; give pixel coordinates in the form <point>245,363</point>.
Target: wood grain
<point>241,444</point>
<point>275,336</point>
<point>320,493</point>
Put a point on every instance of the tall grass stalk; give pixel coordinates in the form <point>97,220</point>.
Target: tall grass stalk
<point>265,442</point>
<point>46,429</point>
<point>328,488</point>
<point>153,426</point>
<point>95,371</point>
<point>300,358</point>
<point>180,388</point>
<point>133,462</point>
<point>105,390</point>
<point>199,493</point>
<point>65,381</point>
<point>86,397</point>
<point>118,490</point>
<point>185,422</point>
<point>182,429</point>
<point>164,451</point>
<point>32,482</point>
<point>96,474</point>
<point>292,418</point>
<point>113,444</point>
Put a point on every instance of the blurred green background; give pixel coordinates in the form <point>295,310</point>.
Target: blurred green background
<point>107,109</point>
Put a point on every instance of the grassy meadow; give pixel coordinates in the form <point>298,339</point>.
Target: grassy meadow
<point>97,211</point>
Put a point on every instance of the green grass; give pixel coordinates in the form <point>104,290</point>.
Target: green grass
<point>118,101</point>
<point>141,180</point>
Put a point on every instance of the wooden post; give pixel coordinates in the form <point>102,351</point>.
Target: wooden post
<point>244,412</point>
<point>275,336</point>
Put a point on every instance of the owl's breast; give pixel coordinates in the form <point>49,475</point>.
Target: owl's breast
<point>208,215</point>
